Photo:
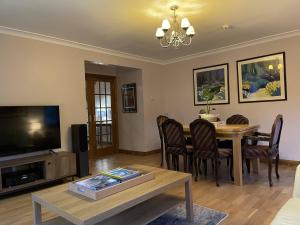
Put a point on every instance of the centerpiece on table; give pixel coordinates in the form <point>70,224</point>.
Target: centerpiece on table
<point>208,95</point>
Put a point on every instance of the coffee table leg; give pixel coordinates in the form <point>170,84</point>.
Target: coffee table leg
<point>189,201</point>
<point>37,216</point>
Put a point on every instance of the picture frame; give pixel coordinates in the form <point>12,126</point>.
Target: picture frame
<point>129,98</point>
<point>214,80</point>
<point>262,78</point>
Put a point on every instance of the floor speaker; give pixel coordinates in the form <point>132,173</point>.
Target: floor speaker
<point>80,147</point>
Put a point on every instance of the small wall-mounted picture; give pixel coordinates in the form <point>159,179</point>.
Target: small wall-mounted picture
<point>262,78</point>
<point>129,98</point>
<point>211,85</point>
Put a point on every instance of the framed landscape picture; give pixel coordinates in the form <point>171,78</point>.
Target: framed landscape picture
<point>211,85</point>
<point>129,98</point>
<point>262,78</point>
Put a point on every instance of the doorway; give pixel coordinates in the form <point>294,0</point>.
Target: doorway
<point>102,114</point>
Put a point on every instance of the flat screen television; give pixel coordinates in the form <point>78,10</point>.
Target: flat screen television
<point>25,129</point>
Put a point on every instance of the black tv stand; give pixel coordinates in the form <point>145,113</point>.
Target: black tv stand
<point>21,173</point>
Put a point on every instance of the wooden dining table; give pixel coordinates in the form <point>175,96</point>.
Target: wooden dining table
<point>234,133</point>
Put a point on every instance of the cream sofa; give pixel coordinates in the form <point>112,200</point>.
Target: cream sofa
<point>289,214</point>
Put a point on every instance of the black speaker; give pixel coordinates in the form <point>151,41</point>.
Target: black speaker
<point>80,147</point>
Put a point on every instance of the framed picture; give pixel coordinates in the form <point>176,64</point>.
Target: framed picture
<point>129,98</point>
<point>211,85</point>
<point>262,78</point>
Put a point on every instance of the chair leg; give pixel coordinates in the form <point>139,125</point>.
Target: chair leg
<point>212,164</point>
<point>190,157</point>
<point>199,166</point>
<point>270,172</point>
<point>162,155</point>
<point>177,162</point>
<point>276,166</point>
<point>228,162</point>
<point>205,166</point>
<point>248,165</point>
<point>196,168</point>
<point>168,160</point>
<point>217,171</point>
<point>184,162</point>
<point>231,167</point>
<point>173,162</point>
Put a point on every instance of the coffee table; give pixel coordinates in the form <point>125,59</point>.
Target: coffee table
<point>136,206</point>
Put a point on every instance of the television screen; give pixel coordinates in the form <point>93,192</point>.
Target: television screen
<point>25,129</point>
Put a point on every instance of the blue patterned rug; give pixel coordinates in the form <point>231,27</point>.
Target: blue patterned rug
<point>202,216</point>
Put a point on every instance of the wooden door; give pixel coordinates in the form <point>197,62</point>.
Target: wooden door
<point>102,114</point>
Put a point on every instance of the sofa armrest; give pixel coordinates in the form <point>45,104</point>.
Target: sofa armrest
<point>296,192</point>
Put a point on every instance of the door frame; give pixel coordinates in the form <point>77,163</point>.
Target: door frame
<point>91,116</point>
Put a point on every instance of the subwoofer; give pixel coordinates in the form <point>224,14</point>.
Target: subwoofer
<point>80,147</point>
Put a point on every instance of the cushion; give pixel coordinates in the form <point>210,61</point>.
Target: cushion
<point>288,214</point>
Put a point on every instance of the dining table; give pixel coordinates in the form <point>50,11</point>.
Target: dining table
<point>234,132</point>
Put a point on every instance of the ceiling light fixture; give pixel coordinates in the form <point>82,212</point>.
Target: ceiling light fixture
<point>173,33</point>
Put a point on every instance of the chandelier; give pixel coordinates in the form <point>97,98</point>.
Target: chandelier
<point>175,34</point>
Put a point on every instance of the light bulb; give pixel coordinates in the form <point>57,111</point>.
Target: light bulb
<point>271,67</point>
<point>185,23</point>
<point>159,33</point>
<point>165,25</point>
<point>190,31</point>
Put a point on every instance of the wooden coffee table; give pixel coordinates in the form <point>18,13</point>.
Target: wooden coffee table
<point>138,205</point>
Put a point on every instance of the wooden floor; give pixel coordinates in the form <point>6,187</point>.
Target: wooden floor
<point>254,203</point>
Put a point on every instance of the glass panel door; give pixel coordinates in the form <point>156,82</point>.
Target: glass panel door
<point>102,114</point>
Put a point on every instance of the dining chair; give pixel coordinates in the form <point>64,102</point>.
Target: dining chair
<point>175,144</point>
<point>234,119</point>
<point>270,151</point>
<point>159,120</point>
<point>205,147</point>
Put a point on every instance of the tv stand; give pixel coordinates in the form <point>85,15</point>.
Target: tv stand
<point>21,173</point>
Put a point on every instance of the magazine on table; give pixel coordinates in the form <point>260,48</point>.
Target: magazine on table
<point>98,182</point>
<point>122,174</point>
<point>108,178</point>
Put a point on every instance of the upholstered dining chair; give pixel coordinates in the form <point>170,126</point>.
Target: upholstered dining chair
<point>270,151</point>
<point>175,144</point>
<point>159,120</point>
<point>205,146</point>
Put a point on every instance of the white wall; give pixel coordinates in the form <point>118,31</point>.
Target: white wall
<point>131,125</point>
<point>179,92</point>
<point>38,73</point>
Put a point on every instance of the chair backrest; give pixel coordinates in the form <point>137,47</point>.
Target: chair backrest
<point>237,119</point>
<point>173,136</point>
<point>159,120</point>
<point>203,138</point>
<point>276,132</point>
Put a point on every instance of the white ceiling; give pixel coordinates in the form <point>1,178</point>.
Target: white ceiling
<point>129,25</point>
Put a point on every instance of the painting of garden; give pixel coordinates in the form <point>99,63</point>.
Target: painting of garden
<point>262,80</point>
<point>211,86</point>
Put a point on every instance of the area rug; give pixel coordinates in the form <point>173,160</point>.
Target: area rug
<point>202,216</point>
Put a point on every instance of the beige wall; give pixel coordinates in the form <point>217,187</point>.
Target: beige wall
<point>179,92</point>
<point>131,125</point>
<point>39,73</point>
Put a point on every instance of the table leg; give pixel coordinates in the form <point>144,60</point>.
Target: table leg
<point>255,165</point>
<point>237,161</point>
<point>189,201</point>
<point>37,215</point>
